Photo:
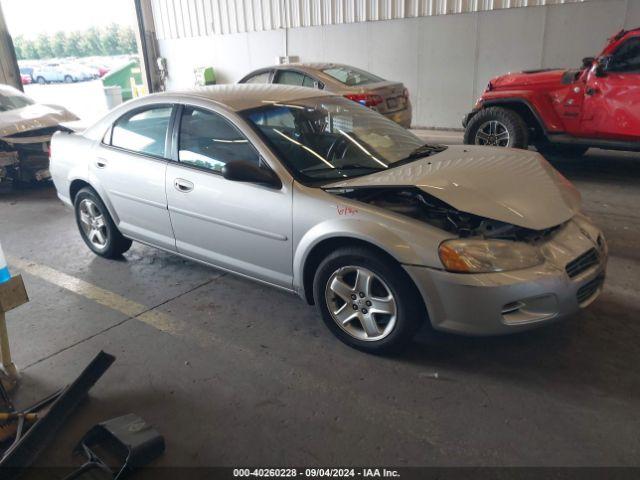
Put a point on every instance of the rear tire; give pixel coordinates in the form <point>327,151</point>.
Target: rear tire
<point>96,226</point>
<point>68,79</point>
<point>389,307</point>
<point>562,150</point>
<point>498,127</point>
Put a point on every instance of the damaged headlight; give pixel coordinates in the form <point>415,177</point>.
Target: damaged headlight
<point>483,256</point>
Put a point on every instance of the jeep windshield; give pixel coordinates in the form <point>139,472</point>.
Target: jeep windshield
<point>329,138</point>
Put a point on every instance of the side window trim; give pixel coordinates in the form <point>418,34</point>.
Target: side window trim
<point>135,111</point>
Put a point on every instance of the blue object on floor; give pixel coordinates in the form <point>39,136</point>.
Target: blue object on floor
<point>5,276</point>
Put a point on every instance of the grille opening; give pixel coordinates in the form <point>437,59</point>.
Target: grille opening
<point>587,291</point>
<point>582,263</point>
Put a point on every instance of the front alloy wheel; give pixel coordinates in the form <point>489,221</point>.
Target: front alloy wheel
<point>367,299</point>
<point>492,133</point>
<point>361,303</point>
<point>497,127</point>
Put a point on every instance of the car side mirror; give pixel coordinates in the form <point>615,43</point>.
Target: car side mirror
<point>602,66</point>
<point>243,171</point>
<point>587,62</point>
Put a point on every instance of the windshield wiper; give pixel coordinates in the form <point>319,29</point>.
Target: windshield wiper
<point>422,151</point>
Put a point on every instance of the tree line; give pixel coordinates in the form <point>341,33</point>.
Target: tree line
<point>111,40</point>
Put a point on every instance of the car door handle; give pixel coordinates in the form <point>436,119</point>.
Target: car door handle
<point>101,163</point>
<point>182,185</point>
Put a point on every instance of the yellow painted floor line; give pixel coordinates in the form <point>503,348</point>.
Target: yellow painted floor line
<point>151,317</point>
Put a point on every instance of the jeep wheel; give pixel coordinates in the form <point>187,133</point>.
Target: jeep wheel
<point>497,127</point>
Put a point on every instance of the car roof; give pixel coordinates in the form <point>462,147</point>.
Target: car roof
<point>244,96</point>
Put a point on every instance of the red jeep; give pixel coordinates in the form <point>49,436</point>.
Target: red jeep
<point>565,111</point>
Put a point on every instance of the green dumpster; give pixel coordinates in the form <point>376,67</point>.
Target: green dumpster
<point>121,77</point>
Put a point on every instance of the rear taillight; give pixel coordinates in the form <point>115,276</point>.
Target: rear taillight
<point>365,99</point>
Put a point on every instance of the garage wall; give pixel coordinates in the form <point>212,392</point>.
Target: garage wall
<point>445,61</point>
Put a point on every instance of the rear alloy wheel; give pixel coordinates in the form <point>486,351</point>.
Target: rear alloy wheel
<point>367,301</point>
<point>497,127</point>
<point>97,227</point>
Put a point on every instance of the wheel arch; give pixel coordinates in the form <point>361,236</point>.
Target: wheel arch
<point>321,249</point>
<point>77,185</point>
<point>523,108</point>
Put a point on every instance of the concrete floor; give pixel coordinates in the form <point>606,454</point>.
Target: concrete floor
<point>236,373</point>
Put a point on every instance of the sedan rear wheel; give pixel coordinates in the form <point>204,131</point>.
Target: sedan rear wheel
<point>367,300</point>
<point>96,226</point>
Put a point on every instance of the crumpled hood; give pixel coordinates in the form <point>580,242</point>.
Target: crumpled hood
<point>33,117</point>
<point>534,77</point>
<point>512,186</point>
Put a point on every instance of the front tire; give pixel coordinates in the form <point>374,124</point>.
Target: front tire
<point>41,80</point>
<point>96,226</point>
<point>367,300</point>
<point>497,127</point>
<point>68,79</point>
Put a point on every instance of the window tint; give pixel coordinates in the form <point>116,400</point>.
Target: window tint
<point>289,77</point>
<point>143,131</point>
<point>309,82</point>
<point>352,76</point>
<point>627,57</point>
<point>259,78</point>
<point>209,141</point>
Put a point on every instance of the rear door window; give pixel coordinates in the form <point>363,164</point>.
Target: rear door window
<point>352,76</point>
<point>143,131</point>
<point>290,77</point>
<point>208,140</point>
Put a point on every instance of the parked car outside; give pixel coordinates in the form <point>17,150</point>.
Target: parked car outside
<point>26,72</point>
<point>389,98</point>
<point>25,79</point>
<point>565,111</point>
<point>56,72</point>
<point>315,194</point>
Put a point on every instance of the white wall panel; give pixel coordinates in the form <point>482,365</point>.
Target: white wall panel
<point>194,18</point>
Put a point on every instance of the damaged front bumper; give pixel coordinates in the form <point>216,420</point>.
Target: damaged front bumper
<point>570,279</point>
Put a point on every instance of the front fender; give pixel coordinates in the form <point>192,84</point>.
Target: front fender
<point>364,231</point>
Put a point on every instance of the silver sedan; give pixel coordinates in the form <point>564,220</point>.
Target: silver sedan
<point>387,97</point>
<point>317,195</point>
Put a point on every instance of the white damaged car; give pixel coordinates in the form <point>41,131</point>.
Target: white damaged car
<point>320,196</point>
<point>26,128</point>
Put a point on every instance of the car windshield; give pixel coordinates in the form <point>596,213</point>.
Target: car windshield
<point>10,101</point>
<point>330,138</point>
<point>352,77</point>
